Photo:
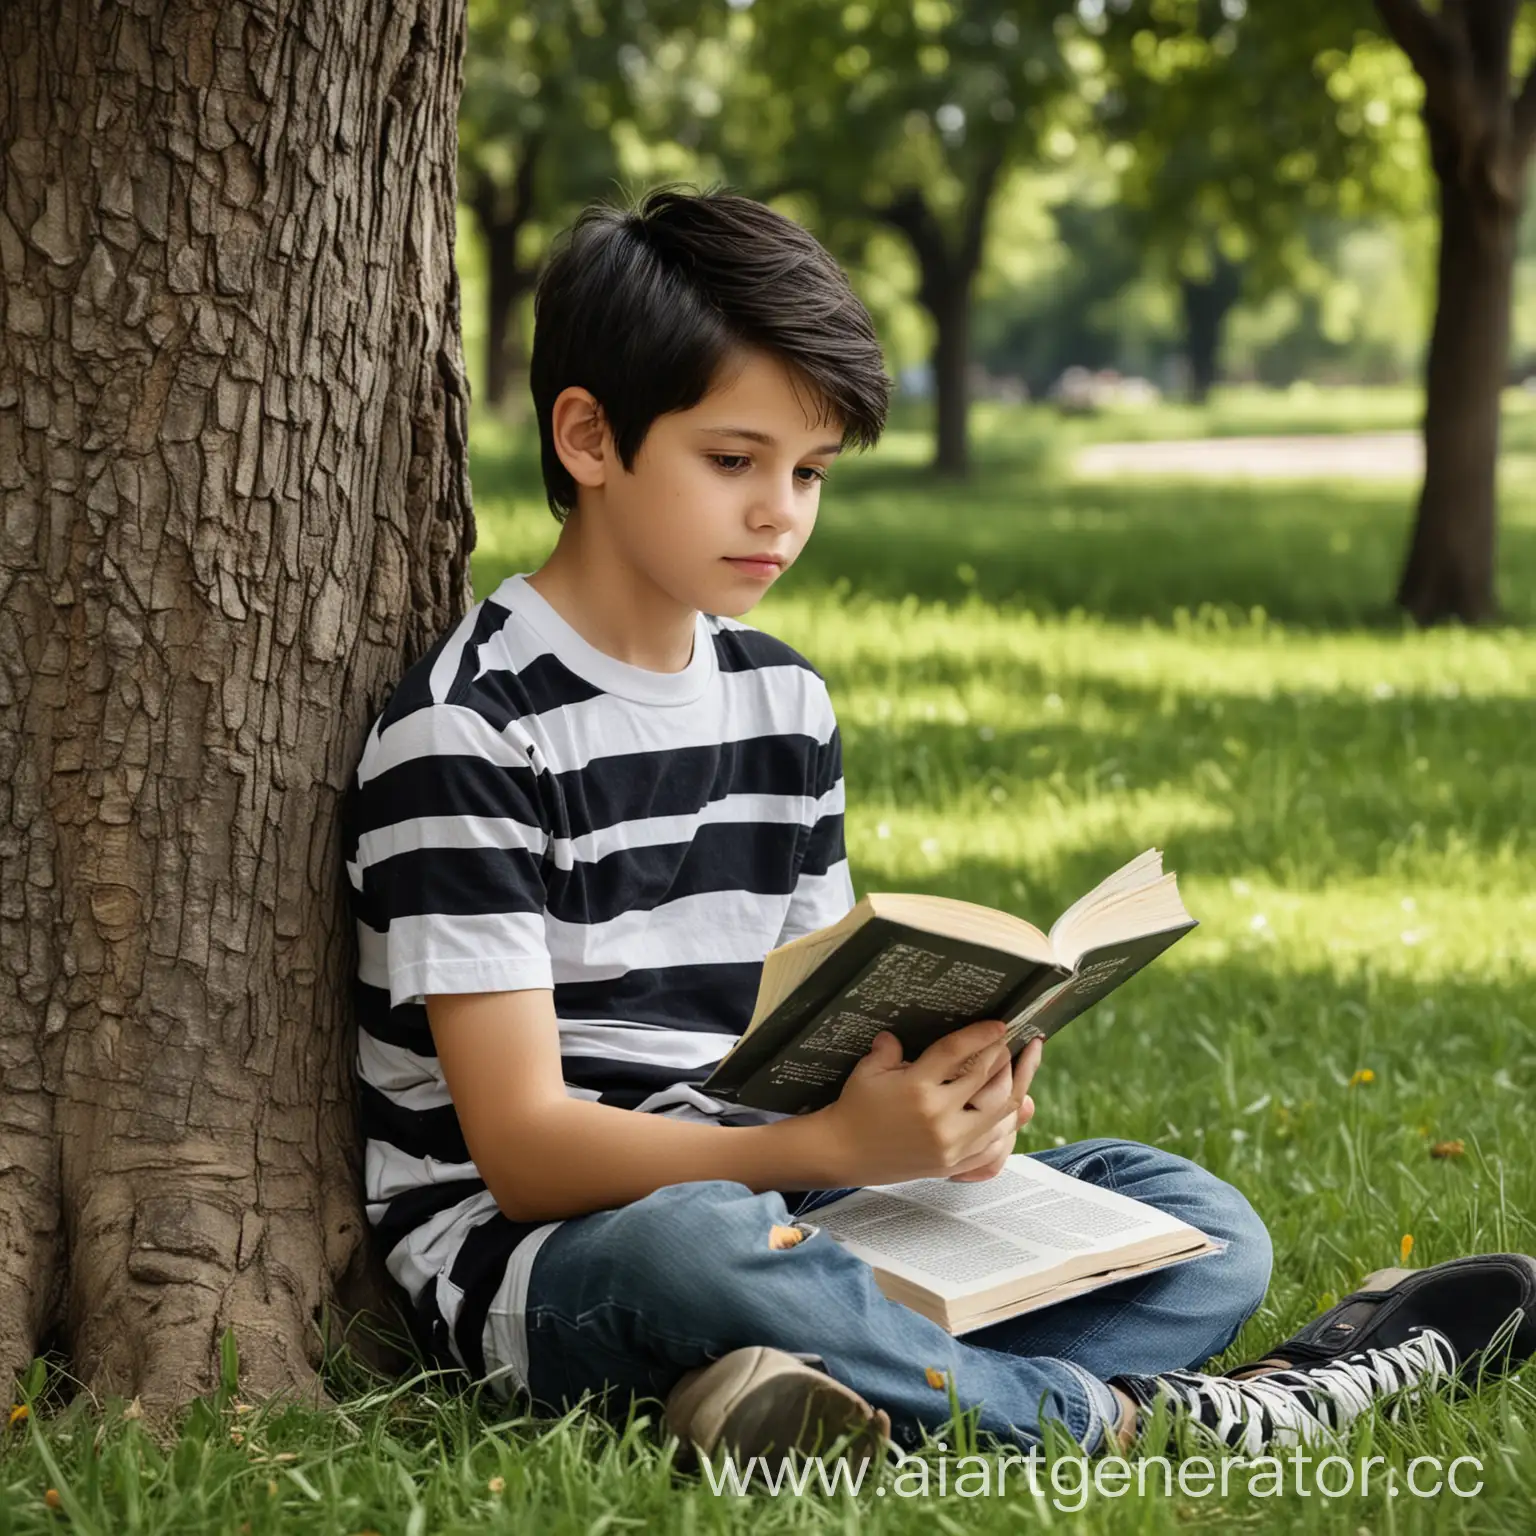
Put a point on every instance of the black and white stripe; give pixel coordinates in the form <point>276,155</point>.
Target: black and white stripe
<point>531,813</point>
<point>1305,1405</point>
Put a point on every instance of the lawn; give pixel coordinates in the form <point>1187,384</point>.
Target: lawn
<point>1036,679</point>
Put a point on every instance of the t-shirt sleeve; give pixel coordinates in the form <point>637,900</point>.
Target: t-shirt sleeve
<point>824,887</point>
<point>448,844</point>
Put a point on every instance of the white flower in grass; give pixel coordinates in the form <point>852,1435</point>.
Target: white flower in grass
<point>883,830</point>
<point>1411,935</point>
<point>1383,691</point>
<point>1409,904</point>
<point>1053,701</point>
<point>1258,922</point>
<point>930,846</point>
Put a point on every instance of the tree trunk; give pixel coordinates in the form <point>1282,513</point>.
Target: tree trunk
<point>505,285</point>
<point>233,506</point>
<point>1449,573</point>
<point>500,293</point>
<point>951,387</point>
<point>1206,307</point>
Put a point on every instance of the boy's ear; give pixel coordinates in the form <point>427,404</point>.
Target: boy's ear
<point>581,436</point>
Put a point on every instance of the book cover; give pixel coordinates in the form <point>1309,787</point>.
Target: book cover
<point>920,986</point>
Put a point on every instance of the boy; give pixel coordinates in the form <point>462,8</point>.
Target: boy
<point>580,823</point>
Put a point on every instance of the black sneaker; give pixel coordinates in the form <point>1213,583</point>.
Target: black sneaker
<point>1286,1408</point>
<point>1401,1331</point>
<point>1484,1306</point>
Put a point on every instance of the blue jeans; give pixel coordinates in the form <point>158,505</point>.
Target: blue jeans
<point>621,1303</point>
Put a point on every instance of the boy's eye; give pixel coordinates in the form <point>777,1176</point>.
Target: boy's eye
<point>731,463</point>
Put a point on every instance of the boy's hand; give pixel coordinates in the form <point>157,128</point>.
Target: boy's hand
<point>898,1120</point>
<point>1014,1084</point>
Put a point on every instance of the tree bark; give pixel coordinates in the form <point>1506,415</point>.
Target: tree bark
<point>1449,572</point>
<point>234,504</point>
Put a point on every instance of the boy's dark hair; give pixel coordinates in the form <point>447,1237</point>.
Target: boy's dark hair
<point>642,305</point>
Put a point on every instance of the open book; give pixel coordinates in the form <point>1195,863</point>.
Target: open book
<point>923,966</point>
<point>966,1255</point>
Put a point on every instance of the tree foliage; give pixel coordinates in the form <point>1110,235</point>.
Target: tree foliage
<point>1246,133</point>
<point>565,101</point>
<point>906,115</point>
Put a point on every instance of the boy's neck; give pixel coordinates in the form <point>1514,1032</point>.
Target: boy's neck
<point>611,605</point>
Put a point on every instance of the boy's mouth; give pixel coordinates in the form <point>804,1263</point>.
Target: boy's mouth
<point>765,567</point>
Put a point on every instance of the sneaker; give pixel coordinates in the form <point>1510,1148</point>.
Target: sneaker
<point>1485,1306</point>
<point>759,1401</point>
<point>1284,1408</point>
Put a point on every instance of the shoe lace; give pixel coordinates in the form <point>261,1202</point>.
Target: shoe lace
<point>1320,1397</point>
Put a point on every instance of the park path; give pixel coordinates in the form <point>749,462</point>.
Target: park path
<point>1356,455</point>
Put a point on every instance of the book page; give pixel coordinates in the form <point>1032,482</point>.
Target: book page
<point>956,1238</point>
<point>1145,867</point>
<point>786,967</point>
<point>1120,916</point>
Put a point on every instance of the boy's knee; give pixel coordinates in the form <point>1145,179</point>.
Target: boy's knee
<point>1246,1264</point>
<point>1198,1196</point>
<point>689,1238</point>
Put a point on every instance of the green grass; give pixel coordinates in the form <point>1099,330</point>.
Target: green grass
<point>1036,679</point>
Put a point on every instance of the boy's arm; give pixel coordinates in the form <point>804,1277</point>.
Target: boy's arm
<point>545,1156</point>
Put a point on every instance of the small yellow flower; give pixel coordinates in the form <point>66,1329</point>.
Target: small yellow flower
<point>1405,1248</point>
<point>934,1378</point>
<point>1456,1147</point>
<point>52,1500</point>
<point>18,1413</point>
<point>497,1485</point>
<point>1362,1075</point>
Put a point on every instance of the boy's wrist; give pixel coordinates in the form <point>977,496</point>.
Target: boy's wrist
<point>810,1150</point>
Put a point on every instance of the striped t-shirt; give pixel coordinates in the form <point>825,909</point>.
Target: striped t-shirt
<point>530,812</point>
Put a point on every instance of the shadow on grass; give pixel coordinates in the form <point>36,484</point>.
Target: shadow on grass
<point>1322,555</point>
<point>1306,787</point>
<point>1314,556</point>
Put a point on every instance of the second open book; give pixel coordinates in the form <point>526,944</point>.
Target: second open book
<point>966,1255</point>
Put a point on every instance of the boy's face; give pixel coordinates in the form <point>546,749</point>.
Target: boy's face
<point>722,496</point>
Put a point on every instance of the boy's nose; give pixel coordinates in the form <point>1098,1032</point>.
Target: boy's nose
<point>778,506</point>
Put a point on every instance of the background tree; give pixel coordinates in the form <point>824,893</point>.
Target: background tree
<point>1248,132</point>
<point>233,506</point>
<point>1481,125</point>
<point>552,90</point>
<point>907,114</point>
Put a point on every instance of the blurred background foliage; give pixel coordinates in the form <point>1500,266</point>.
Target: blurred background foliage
<point>1144,165</point>
<point>1048,196</point>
